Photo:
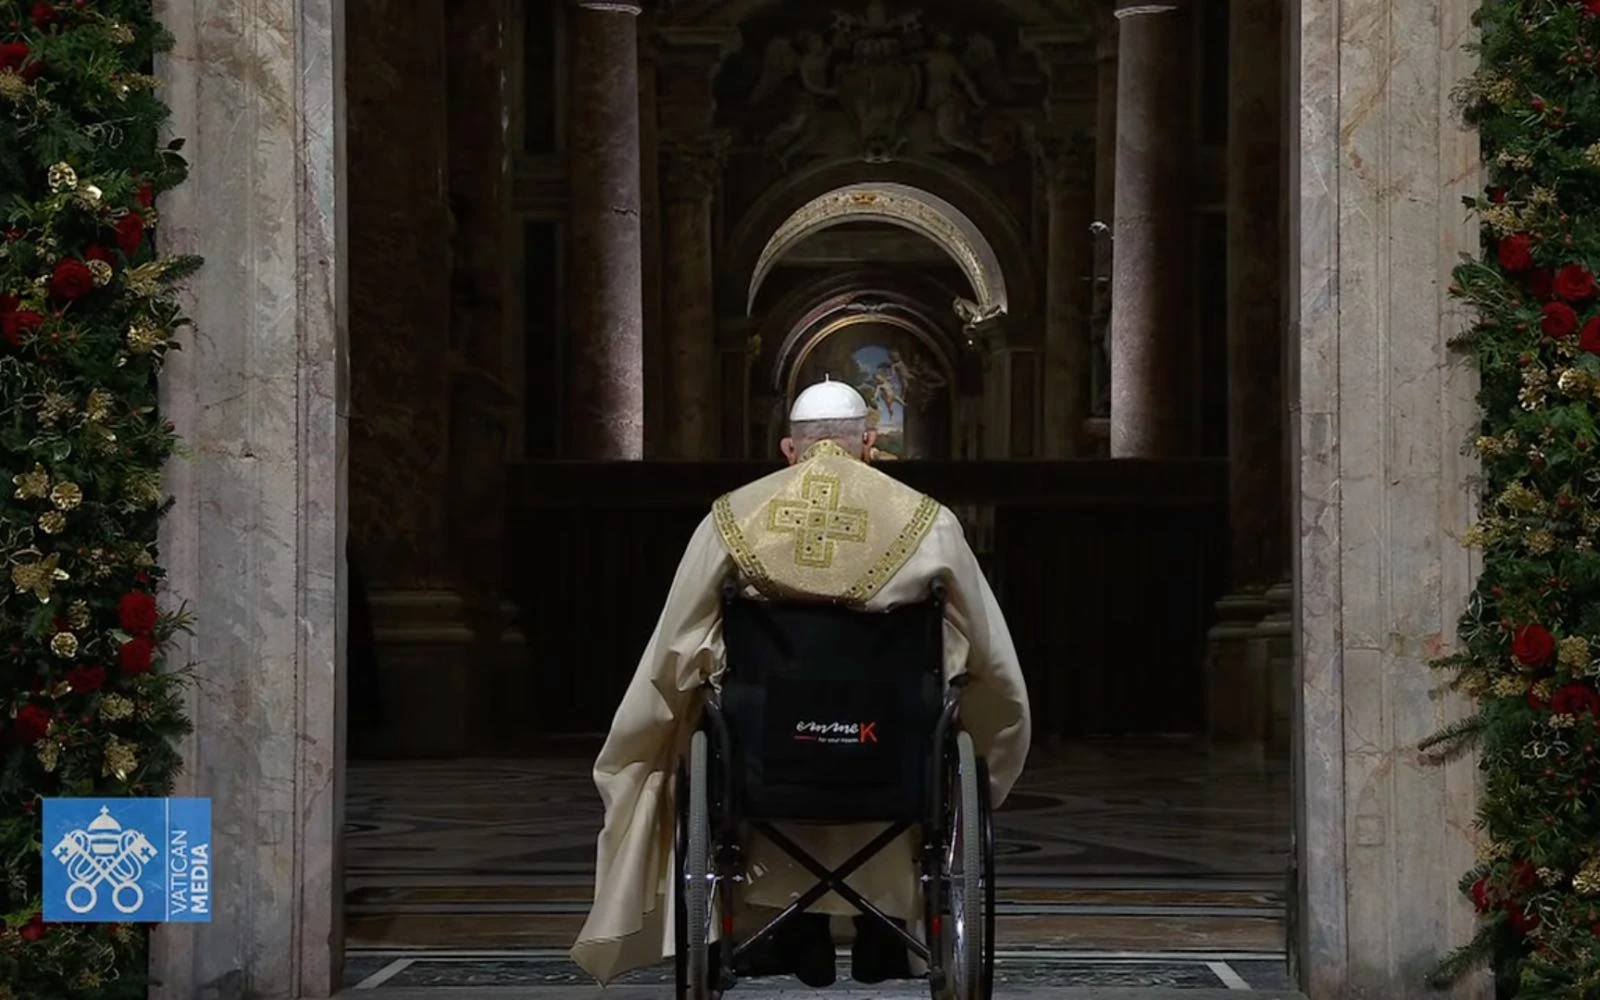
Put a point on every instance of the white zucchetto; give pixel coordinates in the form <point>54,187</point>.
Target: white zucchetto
<point>828,400</point>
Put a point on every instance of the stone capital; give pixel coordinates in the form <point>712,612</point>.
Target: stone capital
<point>691,163</point>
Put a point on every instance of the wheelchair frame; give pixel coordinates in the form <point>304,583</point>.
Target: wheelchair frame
<point>954,762</point>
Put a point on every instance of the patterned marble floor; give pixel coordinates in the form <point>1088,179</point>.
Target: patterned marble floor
<point>1153,865</point>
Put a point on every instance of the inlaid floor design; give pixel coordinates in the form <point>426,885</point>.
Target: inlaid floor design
<point>1149,865</point>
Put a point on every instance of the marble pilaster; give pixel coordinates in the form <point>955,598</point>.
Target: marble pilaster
<point>255,546</point>
<point>400,298</point>
<point>691,166</point>
<point>1151,355</point>
<point>605,291</point>
<point>1066,165</point>
<point>1256,411</point>
<point>1382,491</point>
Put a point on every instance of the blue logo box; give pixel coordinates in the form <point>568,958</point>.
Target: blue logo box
<point>127,860</point>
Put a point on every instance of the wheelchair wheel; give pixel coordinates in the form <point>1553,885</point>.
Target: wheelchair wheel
<point>970,878</point>
<point>988,878</point>
<point>694,863</point>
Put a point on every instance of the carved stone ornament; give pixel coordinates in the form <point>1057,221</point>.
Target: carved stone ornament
<point>889,84</point>
<point>1066,162</point>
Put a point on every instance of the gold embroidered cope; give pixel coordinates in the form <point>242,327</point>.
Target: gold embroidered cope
<point>829,526</point>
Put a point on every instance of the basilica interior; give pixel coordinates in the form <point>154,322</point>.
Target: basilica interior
<point>594,248</point>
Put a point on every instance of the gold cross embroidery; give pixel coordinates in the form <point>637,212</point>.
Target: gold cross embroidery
<point>817,520</point>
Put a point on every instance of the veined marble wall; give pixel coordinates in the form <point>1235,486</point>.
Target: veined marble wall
<point>1383,409</point>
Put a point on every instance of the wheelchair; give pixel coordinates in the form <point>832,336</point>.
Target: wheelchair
<point>830,716</point>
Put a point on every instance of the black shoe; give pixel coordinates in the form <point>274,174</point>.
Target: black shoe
<point>802,947</point>
<point>878,954</point>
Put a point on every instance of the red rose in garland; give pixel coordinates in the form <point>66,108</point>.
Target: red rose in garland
<point>1574,283</point>
<point>86,680</point>
<point>1482,895</point>
<point>1589,337</point>
<point>1540,283</point>
<point>33,930</point>
<point>1533,645</point>
<point>1575,699</point>
<point>1522,921</point>
<point>71,280</point>
<point>136,612</point>
<point>32,723</point>
<point>15,322</point>
<point>1516,252</point>
<point>135,656</point>
<point>1559,320</point>
<point>43,14</point>
<point>13,56</point>
<point>130,233</point>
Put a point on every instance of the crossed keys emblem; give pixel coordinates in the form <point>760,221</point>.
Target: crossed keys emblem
<point>105,853</point>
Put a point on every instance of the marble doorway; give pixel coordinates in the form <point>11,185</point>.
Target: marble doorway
<point>1378,409</point>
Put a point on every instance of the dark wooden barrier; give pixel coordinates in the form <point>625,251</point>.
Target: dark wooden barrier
<point>1107,572</point>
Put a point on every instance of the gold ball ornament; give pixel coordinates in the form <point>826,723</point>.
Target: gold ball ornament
<point>55,406</point>
<point>98,405</point>
<point>1573,651</point>
<point>62,177</point>
<point>64,645</point>
<point>102,273</point>
<point>52,522</point>
<point>120,759</point>
<point>12,88</point>
<point>67,496</point>
<point>115,708</point>
<point>144,338</point>
<point>1587,881</point>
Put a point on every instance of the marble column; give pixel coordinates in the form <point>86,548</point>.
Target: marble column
<point>605,291</point>
<point>400,308</point>
<point>1256,412</point>
<point>691,166</point>
<point>1105,188</point>
<point>1066,164</point>
<point>255,544</point>
<point>1383,490</point>
<point>1151,350</point>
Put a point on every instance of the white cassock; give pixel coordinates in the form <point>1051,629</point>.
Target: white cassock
<point>871,541</point>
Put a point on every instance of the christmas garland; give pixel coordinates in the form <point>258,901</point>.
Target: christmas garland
<point>87,312</point>
<point>1530,640</point>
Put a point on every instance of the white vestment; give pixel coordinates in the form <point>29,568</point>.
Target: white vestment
<point>828,527</point>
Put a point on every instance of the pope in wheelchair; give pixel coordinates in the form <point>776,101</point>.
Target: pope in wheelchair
<point>814,740</point>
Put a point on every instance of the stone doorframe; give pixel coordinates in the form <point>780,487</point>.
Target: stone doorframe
<point>260,394</point>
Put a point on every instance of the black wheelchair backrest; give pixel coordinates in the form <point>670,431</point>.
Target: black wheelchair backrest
<point>831,708</point>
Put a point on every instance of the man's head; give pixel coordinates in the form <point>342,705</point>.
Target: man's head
<point>828,411</point>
